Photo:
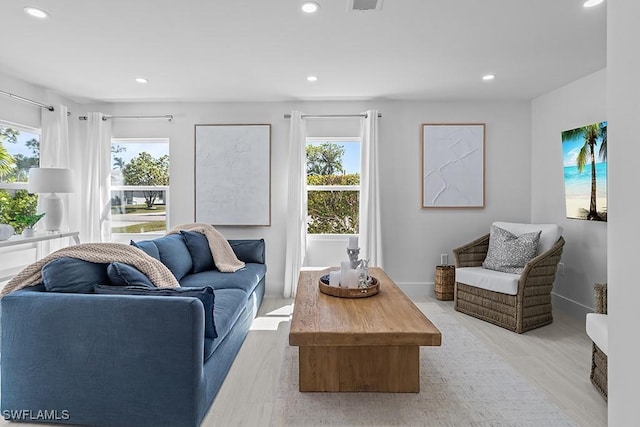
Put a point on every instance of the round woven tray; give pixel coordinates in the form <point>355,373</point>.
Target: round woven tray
<point>369,291</point>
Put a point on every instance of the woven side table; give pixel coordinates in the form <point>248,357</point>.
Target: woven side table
<point>445,282</point>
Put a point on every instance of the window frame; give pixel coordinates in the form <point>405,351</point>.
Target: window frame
<point>326,236</point>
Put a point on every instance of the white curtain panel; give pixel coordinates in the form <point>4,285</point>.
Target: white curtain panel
<point>296,204</point>
<point>54,153</point>
<point>370,223</point>
<point>95,167</point>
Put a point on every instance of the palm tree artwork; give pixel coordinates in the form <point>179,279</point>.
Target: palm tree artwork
<point>585,171</point>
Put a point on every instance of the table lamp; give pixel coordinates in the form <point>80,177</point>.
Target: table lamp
<point>51,181</point>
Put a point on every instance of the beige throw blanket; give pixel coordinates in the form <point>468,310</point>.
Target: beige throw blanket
<point>157,272</point>
<point>223,256</point>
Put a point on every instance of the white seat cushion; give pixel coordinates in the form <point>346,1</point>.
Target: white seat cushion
<point>490,280</point>
<point>550,233</point>
<point>598,330</point>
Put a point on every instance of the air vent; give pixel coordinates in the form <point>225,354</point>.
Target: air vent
<point>364,5</point>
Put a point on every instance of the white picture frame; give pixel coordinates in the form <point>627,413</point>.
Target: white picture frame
<point>453,157</point>
<point>232,167</point>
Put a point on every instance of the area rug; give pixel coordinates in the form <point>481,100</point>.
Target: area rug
<point>462,383</point>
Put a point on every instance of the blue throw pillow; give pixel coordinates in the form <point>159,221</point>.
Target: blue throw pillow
<point>198,246</point>
<point>73,275</point>
<point>205,295</point>
<point>174,254</point>
<point>121,274</point>
<point>148,247</point>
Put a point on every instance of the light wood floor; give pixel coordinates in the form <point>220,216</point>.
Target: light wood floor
<point>557,358</point>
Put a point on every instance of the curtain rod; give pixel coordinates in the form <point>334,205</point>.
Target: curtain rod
<point>28,101</point>
<point>105,118</point>
<point>330,116</point>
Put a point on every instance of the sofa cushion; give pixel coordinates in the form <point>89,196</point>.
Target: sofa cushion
<point>598,330</point>
<point>198,247</point>
<point>73,275</point>
<point>205,295</point>
<point>490,280</point>
<point>509,252</point>
<point>121,274</point>
<point>229,305</point>
<point>248,250</point>
<point>246,278</point>
<point>148,247</point>
<point>549,233</point>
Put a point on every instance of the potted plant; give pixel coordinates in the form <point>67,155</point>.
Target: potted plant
<point>27,222</point>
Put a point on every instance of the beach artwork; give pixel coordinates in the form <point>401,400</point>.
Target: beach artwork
<point>584,152</point>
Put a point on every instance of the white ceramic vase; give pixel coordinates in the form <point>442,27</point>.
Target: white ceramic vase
<point>28,232</point>
<point>6,231</point>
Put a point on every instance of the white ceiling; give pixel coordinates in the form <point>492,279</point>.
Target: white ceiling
<point>262,50</point>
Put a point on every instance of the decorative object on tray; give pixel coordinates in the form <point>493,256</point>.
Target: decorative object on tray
<point>6,231</point>
<point>361,292</point>
<point>352,280</point>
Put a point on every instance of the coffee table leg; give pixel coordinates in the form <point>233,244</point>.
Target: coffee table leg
<point>394,369</point>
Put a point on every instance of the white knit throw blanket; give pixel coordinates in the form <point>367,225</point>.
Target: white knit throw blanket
<point>104,253</point>
<point>223,256</point>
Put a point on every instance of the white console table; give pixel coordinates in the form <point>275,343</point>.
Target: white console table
<point>8,271</point>
<point>19,239</point>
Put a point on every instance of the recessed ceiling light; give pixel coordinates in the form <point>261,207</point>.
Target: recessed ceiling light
<point>310,7</point>
<point>141,80</point>
<point>312,78</point>
<point>591,3</point>
<point>36,13</point>
<point>488,77</point>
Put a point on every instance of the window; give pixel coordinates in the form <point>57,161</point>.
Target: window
<point>19,151</point>
<point>139,186</point>
<point>333,185</point>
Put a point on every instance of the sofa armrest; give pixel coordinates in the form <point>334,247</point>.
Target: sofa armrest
<point>249,250</point>
<point>473,253</point>
<point>101,356</point>
<point>600,290</point>
<point>541,270</point>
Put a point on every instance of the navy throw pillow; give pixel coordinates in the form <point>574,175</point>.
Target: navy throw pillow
<point>248,250</point>
<point>198,246</point>
<point>204,294</point>
<point>148,247</point>
<point>73,275</point>
<point>121,274</point>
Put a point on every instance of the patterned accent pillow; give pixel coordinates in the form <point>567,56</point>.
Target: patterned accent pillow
<point>509,253</point>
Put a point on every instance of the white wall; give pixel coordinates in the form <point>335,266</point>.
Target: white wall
<point>414,238</point>
<point>623,86</point>
<point>585,253</point>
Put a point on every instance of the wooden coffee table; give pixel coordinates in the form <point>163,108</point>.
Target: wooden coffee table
<point>359,344</point>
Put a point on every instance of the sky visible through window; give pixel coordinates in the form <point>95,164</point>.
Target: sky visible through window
<point>20,147</point>
<point>351,159</point>
<point>156,149</point>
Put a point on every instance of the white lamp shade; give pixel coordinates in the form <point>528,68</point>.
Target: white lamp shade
<point>50,180</point>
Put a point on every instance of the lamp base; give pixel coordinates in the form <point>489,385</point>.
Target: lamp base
<point>54,208</point>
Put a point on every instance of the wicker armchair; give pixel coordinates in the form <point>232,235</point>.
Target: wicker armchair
<point>599,357</point>
<point>530,308</point>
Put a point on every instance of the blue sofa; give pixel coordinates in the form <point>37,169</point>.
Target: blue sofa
<point>127,360</point>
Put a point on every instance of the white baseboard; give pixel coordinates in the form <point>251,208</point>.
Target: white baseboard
<point>416,289</point>
<point>569,306</point>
